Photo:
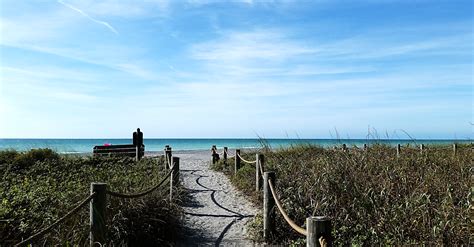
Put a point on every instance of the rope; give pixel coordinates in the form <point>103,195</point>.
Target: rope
<point>228,154</point>
<point>120,195</point>
<point>47,229</point>
<point>292,223</point>
<point>246,161</point>
<point>168,161</point>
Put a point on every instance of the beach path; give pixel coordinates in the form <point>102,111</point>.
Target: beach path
<point>215,212</point>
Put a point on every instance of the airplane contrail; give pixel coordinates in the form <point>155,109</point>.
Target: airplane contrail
<point>89,17</point>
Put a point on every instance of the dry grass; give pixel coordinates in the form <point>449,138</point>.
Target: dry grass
<point>373,197</point>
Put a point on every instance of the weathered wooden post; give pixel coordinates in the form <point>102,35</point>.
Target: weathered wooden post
<point>455,148</point>
<point>317,227</point>
<point>344,147</point>
<point>398,150</point>
<point>164,155</point>
<point>258,175</point>
<point>422,148</point>
<point>174,177</point>
<point>168,155</point>
<point>214,154</point>
<point>268,206</point>
<point>137,153</point>
<point>225,155</point>
<point>165,150</point>
<point>237,161</point>
<point>97,212</point>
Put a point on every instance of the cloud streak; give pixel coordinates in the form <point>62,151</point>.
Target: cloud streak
<point>107,25</point>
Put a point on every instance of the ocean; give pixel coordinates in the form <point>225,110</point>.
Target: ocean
<point>86,145</point>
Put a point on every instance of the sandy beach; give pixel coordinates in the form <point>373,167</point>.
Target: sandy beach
<point>216,213</point>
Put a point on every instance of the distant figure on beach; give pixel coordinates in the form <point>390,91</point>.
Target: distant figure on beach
<point>138,138</point>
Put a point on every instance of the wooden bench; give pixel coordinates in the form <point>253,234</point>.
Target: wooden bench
<point>128,150</point>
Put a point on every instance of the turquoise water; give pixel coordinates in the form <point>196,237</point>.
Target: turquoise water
<point>86,145</point>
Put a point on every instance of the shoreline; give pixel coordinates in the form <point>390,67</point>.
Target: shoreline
<point>158,153</point>
<point>155,152</point>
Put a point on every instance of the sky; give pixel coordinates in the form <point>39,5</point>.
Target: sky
<point>224,69</point>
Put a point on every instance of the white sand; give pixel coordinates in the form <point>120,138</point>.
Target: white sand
<point>216,213</point>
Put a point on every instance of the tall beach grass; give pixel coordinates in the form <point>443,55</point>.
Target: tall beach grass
<point>372,196</point>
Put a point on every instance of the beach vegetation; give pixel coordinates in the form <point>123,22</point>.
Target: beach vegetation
<point>372,196</point>
<point>40,186</point>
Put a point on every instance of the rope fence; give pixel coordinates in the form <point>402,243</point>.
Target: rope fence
<point>246,161</point>
<point>318,228</point>
<point>57,222</point>
<point>293,225</point>
<point>318,231</point>
<point>98,205</point>
<point>140,194</point>
<point>229,156</point>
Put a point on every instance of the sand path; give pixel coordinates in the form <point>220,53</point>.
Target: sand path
<point>216,213</point>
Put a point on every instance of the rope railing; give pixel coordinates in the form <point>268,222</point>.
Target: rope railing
<point>143,193</point>
<point>47,229</point>
<point>285,215</point>
<point>229,155</point>
<point>318,229</point>
<point>98,206</point>
<point>246,161</point>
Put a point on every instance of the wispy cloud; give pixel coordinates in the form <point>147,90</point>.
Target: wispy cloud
<point>89,17</point>
<point>257,44</point>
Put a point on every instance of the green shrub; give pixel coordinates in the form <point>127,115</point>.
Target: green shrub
<point>25,160</point>
<point>7,157</point>
<point>36,195</point>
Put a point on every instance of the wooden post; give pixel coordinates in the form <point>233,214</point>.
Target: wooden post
<point>97,212</point>
<point>225,155</point>
<point>214,154</point>
<point>268,206</point>
<point>455,147</point>
<point>237,161</point>
<point>168,155</point>
<point>422,147</point>
<point>319,226</point>
<point>258,175</point>
<point>398,150</point>
<point>174,178</point>
<point>137,153</point>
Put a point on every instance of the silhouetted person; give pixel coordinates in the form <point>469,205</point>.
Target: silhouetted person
<point>138,138</point>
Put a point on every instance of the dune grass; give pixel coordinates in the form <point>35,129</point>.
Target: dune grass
<point>39,186</point>
<point>373,197</point>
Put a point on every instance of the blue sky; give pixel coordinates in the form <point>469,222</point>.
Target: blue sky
<point>81,69</point>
